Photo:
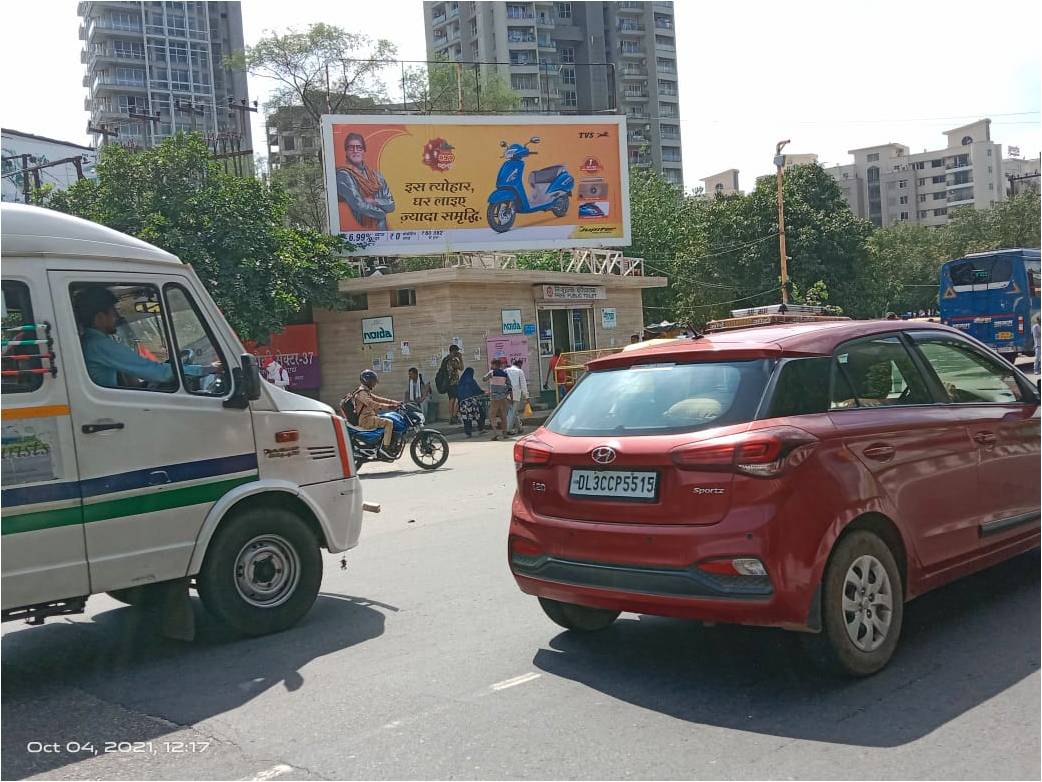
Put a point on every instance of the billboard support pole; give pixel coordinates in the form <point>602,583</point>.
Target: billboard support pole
<point>459,87</point>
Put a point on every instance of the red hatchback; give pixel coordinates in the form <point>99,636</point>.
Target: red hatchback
<point>812,477</point>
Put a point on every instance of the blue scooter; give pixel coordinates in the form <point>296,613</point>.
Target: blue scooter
<point>549,189</point>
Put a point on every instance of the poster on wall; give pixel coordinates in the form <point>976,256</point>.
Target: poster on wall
<point>436,184</point>
<point>608,319</point>
<point>296,351</point>
<point>511,348</point>
<point>512,321</point>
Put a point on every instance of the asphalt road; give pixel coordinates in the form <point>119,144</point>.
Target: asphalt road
<point>421,659</point>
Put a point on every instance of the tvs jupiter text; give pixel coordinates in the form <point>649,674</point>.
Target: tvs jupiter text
<point>811,477</point>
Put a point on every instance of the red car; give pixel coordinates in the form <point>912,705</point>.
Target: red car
<point>813,477</point>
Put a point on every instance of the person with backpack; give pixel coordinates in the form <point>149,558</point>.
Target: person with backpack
<point>418,390</point>
<point>447,379</point>
<point>367,406</point>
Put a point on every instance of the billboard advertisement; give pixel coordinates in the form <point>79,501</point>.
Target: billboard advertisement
<point>417,185</point>
<point>295,350</point>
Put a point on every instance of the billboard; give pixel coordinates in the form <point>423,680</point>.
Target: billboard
<point>418,185</point>
<point>295,349</point>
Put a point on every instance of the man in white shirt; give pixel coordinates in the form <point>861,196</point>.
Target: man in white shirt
<point>418,390</point>
<point>277,374</point>
<point>519,385</point>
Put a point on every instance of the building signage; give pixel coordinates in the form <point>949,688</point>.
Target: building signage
<point>377,330</point>
<point>437,184</point>
<point>608,319</point>
<point>572,292</point>
<point>512,322</point>
<point>295,349</point>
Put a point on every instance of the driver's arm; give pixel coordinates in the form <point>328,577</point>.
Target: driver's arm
<point>126,360</point>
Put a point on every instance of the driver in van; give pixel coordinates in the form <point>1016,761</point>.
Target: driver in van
<point>105,357</point>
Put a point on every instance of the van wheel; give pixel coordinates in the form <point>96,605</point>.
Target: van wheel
<point>862,606</point>
<point>575,617</point>
<point>262,571</point>
<point>144,596</point>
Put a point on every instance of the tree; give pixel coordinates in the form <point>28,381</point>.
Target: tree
<point>457,87</point>
<point>903,263</point>
<point>231,229</point>
<point>302,181</point>
<point>326,69</point>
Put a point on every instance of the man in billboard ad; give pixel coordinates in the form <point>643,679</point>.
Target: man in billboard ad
<point>430,184</point>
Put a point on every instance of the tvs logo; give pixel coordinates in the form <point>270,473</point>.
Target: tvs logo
<point>438,154</point>
<point>591,166</point>
<point>603,455</point>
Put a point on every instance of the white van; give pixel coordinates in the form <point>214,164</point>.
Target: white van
<point>142,454</point>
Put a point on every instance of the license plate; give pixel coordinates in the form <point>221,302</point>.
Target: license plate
<point>1004,335</point>
<point>616,484</point>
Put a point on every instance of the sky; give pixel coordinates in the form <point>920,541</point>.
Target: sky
<point>830,76</point>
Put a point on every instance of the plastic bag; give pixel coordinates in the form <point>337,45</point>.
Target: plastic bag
<point>528,409</point>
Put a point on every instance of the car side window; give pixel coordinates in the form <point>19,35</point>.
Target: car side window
<point>802,387</point>
<point>21,363</point>
<point>123,336</point>
<point>876,372</point>
<point>202,364</point>
<point>968,375</point>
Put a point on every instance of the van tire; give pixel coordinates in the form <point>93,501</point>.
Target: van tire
<point>833,649</point>
<point>264,555</point>
<point>576,617</point>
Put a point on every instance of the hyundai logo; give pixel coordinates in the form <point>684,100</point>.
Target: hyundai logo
<point>603,455</point>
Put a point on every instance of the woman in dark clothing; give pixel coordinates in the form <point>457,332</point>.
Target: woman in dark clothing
<point>469,394</point>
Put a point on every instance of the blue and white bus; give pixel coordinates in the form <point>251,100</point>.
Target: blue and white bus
<point>993,296</point>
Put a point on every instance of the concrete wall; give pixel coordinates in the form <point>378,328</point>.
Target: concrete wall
<point>469,311</point>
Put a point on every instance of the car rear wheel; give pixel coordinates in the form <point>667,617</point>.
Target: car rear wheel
<point>576,617</point>
<point>862,605</point>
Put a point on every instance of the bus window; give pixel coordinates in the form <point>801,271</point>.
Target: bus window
<point>982,271</point>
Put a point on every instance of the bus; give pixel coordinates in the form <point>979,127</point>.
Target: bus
<point>994,297</point>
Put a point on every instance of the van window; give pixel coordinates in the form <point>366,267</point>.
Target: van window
<point>877,373</point>
<point>662,399</point>
<point>802,388</point>
<point>18,312</point>
<point>203,368</point>
<point>123,336</point>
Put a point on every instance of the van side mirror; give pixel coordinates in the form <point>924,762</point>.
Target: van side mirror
<point>246,382</point>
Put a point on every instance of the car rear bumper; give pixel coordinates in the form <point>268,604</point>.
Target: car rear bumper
<point>650,569</point>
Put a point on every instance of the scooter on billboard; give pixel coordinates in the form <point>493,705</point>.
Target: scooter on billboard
<point>549,189</point>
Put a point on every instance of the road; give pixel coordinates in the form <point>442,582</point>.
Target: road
<point>421,659</point>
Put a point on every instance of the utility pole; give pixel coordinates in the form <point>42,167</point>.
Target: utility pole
<point>187,107</point>
<point>76,161</point>
<point>102,130</point>
<point>779,161</point>
<point>25,177</point>
<point>151,118</point>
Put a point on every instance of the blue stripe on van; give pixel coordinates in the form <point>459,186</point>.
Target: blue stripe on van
<point>128,481</point>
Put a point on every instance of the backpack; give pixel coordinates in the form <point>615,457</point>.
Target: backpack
<point>347,407</point>
<point>441,380</point>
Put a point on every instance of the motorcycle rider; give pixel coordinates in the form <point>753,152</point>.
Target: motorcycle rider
<point>368,406</point>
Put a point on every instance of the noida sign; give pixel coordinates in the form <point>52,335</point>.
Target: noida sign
<point>511,320</point>
<point>377,330</point>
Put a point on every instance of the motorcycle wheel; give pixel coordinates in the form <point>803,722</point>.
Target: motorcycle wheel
<point>560,207</point>
<point>501,216</point>
<point>429,449</point>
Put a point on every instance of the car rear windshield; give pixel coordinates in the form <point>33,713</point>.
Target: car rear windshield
<point>662,399</point>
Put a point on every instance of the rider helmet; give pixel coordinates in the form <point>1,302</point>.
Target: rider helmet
<point>369,378</point>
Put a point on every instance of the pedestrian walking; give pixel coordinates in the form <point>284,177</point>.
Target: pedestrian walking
<point>1036,334</point>
<point>471,411</point>
<point>418,390</point>
<point>448,378</point>
<point>519,387</point>
<point>500,397</point>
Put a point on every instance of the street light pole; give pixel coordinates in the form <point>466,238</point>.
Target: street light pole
<point>779,161</point>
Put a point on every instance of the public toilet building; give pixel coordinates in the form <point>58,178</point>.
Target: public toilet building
<point>404,320</point>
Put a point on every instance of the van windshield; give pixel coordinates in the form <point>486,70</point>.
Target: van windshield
<point>662,399</point>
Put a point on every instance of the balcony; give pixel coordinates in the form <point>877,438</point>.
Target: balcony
<point>632,72</point>
<point>626,52</point>
<point>513,38</point>
<point>515,14</point>
<point>546,21</point>
<point>959,164</point>
<point>963,183</point>
<point>635,94</point>
<point>630,7</point>
<point>664,24</point>
<point>548,43</point>
<point>631,28</point>
<point>665,47</point>
<point>637,139</point>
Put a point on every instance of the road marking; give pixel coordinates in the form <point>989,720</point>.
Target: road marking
<point>271,773</point>
<point>525,677</point>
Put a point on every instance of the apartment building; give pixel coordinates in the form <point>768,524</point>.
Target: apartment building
<point>889,184</point>
<point>579,58</point>
<point>156,68</point>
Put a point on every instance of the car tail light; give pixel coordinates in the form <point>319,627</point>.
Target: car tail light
<point>763,453</point>
<point>530,452</point>
<point>341,444</point>
<point>525,546</point>
<point>739,566</point>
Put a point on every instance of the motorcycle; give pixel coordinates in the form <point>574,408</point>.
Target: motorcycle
<point>549,189</point>
<point>428,447</point>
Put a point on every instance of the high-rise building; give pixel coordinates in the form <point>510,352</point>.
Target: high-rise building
<point>164,60</point>
<point>577,58</point>
<point>888,184</point>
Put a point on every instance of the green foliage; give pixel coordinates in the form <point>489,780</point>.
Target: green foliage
<point>903,263</point>
<point>302,180</point>
<point>325,69</point>
<point>231,229</point>
<point>1010,223</point>
<point>447,87</point>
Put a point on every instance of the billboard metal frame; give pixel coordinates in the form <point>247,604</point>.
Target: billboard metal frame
<point>503,244</point>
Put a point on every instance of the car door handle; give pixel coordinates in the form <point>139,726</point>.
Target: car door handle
<point>880,452</point>
<point>985,438</point>
<point>92,428</point>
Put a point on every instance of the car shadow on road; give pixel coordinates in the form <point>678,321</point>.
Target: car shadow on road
<point>373,476</point>
<point>961,645</point>
<point>116,679</point>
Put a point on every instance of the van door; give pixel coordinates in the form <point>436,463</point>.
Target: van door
<point>156,445</point>
<point>44,555</point>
